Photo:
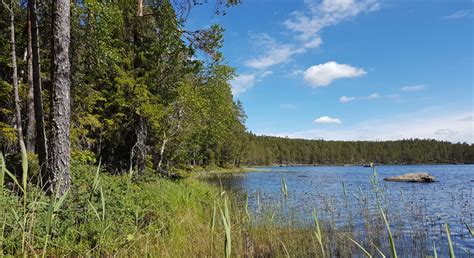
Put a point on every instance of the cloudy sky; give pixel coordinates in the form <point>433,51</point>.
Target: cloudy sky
<point>351,69</point>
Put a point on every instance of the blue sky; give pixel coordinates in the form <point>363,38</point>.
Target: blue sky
<point>351,69</point>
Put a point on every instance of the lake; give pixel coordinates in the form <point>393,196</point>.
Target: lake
<point>347,197</point>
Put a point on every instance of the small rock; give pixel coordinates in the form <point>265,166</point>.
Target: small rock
<point>413,178</point>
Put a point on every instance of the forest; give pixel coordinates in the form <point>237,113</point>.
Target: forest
<point>120,82</point>
<point>268,150</point>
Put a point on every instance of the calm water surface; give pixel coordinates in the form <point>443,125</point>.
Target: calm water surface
<point>411,206</point>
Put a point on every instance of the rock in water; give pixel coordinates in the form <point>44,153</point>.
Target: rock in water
<point>412,177</point>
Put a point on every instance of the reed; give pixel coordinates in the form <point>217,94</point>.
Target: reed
<point>450,243</point>
<point>284,187</point>
<point>469,229</point>
<point>225,216</point>
<point>318,233</point>
<point>361,248</point>
<point>390,237</point>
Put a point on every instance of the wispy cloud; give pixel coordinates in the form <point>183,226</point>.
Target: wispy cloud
<point>324,74</point>
<point>308,24</point>
<point>296,72</point>
<point>446,131</point>
<point>327,120</point>
<point>467,118</point>
<point>242,83</point>
<point>265,74</point>
<point>373,96</point>
<point>316,42</point>
<point>423,125</point>
<point>288,106</point>
<point>275,52</point>
<point>458,14</point>
<point>413,88</point>
<point>346,99</point>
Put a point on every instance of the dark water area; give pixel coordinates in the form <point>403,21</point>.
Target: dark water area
<point>347,197</point>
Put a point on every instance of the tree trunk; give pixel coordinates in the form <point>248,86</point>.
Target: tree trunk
<point>30,105</point>
<point>60,110</point>
<point>162,151</point>
<point>41,148</point>
<point>139,8</point>
<point>15,74</point>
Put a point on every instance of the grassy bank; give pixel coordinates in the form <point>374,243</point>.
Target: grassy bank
<point>212,170</point>
<point>106,214</point>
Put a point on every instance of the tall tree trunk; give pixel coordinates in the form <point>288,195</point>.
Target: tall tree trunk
<point>41,147</point>
<point>139,8</point>
<point>15,73</point>
<point>60,113</point>
<point>30,105</point>
<point>162,150</point>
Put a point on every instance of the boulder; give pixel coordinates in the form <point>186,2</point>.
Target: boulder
<point>413,178</point>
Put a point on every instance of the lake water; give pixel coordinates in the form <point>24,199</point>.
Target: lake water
<point>415,210</point>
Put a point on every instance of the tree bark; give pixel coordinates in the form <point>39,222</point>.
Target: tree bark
<point>41,147</point>
<point>30,105</point>
<point>15,74</point>
<point>139,8</point>
<point>162,150</point>
<point>60,113</point>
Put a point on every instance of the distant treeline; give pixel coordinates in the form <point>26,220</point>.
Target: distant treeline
<point>267,150</point>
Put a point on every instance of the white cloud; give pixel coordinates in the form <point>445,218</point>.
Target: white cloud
<point>457,15</point>
<point>346,99</point>
<point>316,42</point>
<point>288,106</point>
<point>307,25</point>
<point>327,120</point>
<point>369,97</point>
<point>424,124</point>
<point>373,96</point>
<point>265,74</point>
<point>324,74</point>
<point>275,53</point>
<point>467,118</point>
<point>327,13</point>
<point>446,131</point>
<point>296,72</point>
<point>413,88</point>
<point>242,83</point>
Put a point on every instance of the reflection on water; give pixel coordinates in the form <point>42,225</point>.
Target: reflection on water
<point>345,197</point>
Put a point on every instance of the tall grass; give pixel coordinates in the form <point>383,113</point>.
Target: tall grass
<point>225,216</point>
<point>318,233</point>
<point>284,187</point>
<point>361,248</point>
<point>450,243</point>
<point>390,236</point>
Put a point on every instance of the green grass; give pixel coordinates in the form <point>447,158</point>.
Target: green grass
<point>99,215</point>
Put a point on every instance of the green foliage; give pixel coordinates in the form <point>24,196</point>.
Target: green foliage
<point>141,96</point>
